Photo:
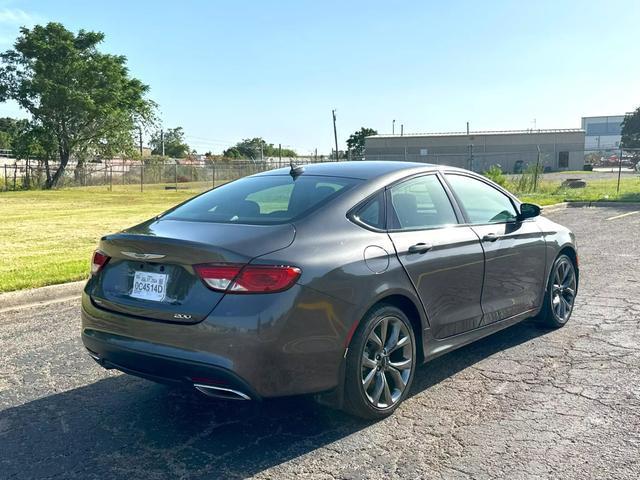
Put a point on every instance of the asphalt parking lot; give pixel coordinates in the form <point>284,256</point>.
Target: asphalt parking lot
<point>524,403</point>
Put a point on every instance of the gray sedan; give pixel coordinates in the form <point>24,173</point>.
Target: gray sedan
<point>334,279</point>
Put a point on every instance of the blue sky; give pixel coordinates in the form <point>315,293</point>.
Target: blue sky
<point>235,69</point>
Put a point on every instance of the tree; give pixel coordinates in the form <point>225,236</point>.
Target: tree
<point>174,144</point>
<point>631,130</point>
<point>82,100</point>
<point>255,147</point>
<point>5,140</point>
<point>355,142</point>
<point>9,130</point>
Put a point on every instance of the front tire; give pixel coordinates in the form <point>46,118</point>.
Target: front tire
<point>561,293</point>
<point>380,363</point>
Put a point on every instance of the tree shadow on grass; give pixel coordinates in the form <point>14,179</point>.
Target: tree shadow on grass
<point>124,427</point>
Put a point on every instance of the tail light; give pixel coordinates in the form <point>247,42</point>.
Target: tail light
<point>233,278</point>
<point>98,261</point>
<point>218,277</point>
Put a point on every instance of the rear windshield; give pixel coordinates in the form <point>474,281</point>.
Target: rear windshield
<point>263,200</point>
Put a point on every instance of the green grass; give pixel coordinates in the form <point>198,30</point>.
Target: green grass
<point>550,192</point>
<point>46,237</point>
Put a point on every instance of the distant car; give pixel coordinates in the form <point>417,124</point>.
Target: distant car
<point>336,278</point>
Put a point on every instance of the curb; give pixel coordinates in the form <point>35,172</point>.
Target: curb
<point>555,207</point>
<point>606,204</point>
<point>593,204</point>
<point>40,296</point>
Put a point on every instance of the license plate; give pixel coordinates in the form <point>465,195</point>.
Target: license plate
<point>149,286</point>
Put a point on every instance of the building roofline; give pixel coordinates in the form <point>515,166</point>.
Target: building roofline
<point>607,116</point>
<point>529,131</point>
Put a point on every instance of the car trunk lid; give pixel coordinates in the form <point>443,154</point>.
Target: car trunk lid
<point>150,271</point>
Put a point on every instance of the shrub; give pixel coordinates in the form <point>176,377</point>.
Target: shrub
<point>495,174</point>
<point>528,181</point>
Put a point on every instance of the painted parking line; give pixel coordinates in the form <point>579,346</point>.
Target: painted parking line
<point>623,215</point>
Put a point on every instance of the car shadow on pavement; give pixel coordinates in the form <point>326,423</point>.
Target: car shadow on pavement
<point>124,427</point>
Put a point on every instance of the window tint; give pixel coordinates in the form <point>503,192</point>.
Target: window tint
<point>481,202</point>
<point>372,213</point>
<point>262,200</point>
<point>421,203</point>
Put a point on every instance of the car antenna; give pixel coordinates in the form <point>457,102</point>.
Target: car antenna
<point>296,170</point>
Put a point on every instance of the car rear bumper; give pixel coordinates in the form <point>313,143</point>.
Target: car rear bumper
<point>271,345</point>
<point>171,366</point>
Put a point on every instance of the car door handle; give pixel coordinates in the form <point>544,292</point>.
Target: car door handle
<point>490,237</point>
<point>419,248</point>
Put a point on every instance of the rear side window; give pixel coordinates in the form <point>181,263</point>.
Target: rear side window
<point>481,202</point>
<point>372,213</point>
<point>421,203</point>
<point>262,200</point>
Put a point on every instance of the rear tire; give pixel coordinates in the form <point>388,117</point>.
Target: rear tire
<point>380,363</point>
<point>560,295</point>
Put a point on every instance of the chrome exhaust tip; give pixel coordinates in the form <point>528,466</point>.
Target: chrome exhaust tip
<point>93,355</point>
<point>220,392</point>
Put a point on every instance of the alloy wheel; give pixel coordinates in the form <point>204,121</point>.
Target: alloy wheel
<point>563,290</point>
<point>387,362</point>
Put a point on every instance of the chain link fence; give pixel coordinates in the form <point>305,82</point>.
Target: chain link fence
<point>112,174</point>
<point>177,174</point>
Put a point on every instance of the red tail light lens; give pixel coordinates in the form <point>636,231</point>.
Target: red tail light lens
<point>248,278</point>
<point>98,261</point>
<point>264,279</point>
<point>218,277</point>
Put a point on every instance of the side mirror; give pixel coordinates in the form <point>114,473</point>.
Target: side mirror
<point>528,210</point>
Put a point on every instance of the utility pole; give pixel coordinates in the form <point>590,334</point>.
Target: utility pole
<point>467,128</point>
<point>279,154</point>
<point>162,141</point>
<point>619,170</point>
<point>335,132</point>
<point>393,127</point>
<point>402,129</point>
<point>315,155</point>
<point>140,131</point>
<point>535,175</point>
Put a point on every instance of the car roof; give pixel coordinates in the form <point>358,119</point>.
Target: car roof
<point>364,170</point>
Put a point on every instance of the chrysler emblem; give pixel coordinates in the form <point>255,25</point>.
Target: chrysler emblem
<point>143,256</point>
